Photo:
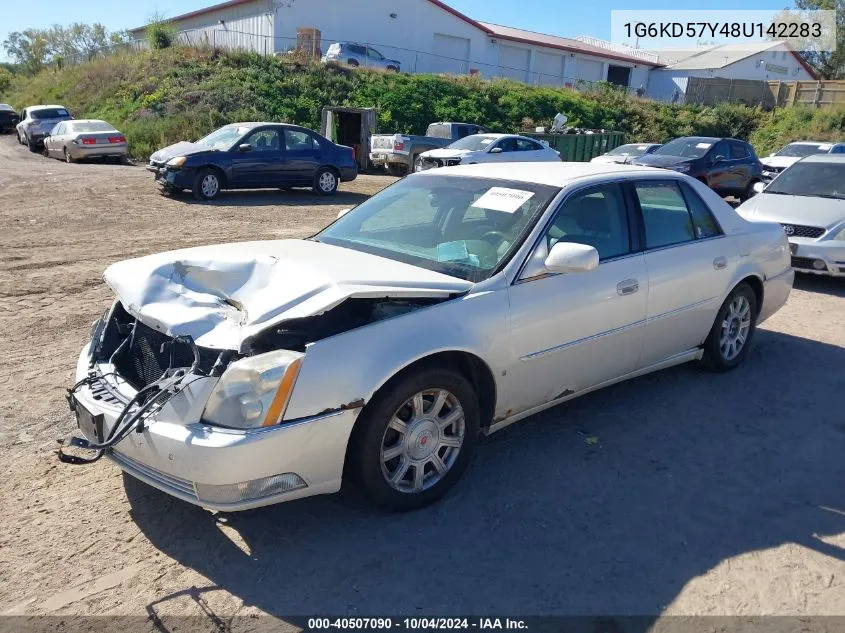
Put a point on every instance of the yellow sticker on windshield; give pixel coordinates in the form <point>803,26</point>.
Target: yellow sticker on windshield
<point>503,199</point>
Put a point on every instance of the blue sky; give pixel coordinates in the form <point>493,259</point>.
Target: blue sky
<point>567,18</point>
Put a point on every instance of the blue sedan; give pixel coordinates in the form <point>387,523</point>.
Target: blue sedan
<point>254,156</point>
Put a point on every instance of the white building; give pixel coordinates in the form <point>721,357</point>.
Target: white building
<point>424,35</point>
<point>761,61</point>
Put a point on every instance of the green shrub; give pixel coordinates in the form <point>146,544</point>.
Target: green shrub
<point>161,34</point>
<point>160,96</point>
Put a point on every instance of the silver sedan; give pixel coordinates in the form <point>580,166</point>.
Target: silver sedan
<point>451,304</point>
<point>80,139</point>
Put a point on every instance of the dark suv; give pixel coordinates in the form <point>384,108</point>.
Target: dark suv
<point>726,165</point>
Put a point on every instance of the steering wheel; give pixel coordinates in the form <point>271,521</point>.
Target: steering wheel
<point>502,237</point>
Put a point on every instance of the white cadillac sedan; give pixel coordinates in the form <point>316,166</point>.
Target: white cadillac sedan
<point>451,304</point>
<point>487,148</point>
<point>808,200</point>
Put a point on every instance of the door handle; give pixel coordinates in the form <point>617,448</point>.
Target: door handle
<point>627,287</point>
<point>720,262</point>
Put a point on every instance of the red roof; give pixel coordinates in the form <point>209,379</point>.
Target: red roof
<point>492,30</point>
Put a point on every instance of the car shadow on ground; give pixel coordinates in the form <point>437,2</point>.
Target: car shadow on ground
<point>274,197</point>
<point>609,504</point>
<point>817,283</point>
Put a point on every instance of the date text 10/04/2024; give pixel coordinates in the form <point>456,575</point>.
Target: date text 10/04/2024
<point>416,623</point>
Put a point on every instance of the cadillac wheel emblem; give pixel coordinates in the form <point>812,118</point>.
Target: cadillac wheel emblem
<point>788,229</point>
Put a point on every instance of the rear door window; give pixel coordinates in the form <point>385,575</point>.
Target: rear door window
<point>703,219</point>
<point>299,141</point>
<point>666,218</point>
<point>738,151</point>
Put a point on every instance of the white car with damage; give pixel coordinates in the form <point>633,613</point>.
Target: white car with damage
<point>789,154</point>
<point>488,148</point>
<point>451,304</point>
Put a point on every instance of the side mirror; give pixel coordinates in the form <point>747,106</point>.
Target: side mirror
<point>758,187</point>
<point>570,257</point>
<point>496,150</point>
<point>342,212</point>
<point>246,147</point>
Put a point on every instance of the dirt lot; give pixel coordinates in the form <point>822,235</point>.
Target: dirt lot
<point>703,494</point>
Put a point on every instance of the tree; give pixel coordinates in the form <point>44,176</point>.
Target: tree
<point>5,80</point>
<point>29,49</point>
<point>160,32</point>
<point>828,64</point>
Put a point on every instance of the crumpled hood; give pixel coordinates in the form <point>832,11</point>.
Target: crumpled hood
<point>779,161</point>
<point>445,152</point>
<point>182,148</point>
<point>222,295</point>
<point>826,213</point>
<point>660,160</point>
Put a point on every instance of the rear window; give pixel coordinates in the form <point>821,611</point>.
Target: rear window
<point>49,113</point>
<point>439,130</point>
<point>92,126</point>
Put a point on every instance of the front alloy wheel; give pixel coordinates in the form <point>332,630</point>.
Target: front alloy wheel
<point>414,439</point>
<point>422,441</point>
<point>206,185</point>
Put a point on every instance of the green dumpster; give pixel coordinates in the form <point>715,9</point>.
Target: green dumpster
<point>581,148</point>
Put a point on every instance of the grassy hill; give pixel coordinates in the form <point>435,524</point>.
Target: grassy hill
<point>159,97</point>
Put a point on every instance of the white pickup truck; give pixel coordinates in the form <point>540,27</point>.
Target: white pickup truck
<point>398,152</point>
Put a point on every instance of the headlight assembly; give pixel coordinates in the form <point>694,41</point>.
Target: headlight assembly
<point>254,392</point>
<point>177,162</point>
<point>683,168</point>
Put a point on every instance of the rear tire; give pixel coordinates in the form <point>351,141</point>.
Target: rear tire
<point>396,170</point>
<point>730,337</point>
<point>404,453</point>
<point>68,158</point>
<point>325,182</point>
<point>33,146</point>
<point>207,184</point>
<point>749,192</point>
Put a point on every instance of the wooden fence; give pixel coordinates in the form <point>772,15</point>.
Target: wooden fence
<point>768,94</point>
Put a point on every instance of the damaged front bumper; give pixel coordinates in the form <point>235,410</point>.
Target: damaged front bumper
<point>214,467</point>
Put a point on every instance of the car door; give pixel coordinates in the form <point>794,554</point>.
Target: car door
<point>529,150</point>
<point>574,331</point>
<point>508,152</point>
<point>742,166</point>
<point>53,142</point>
<point>260,165</point>
<point>719,167</point>
<point>689,266</point>
<point>302,153</point>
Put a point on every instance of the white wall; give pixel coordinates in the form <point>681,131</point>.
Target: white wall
<point>246,26</point>
<point>752,68</point>
<point>408,38</point>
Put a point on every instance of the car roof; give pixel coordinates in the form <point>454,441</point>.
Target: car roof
<point>75,121</point>
<point>557,174</point>
<point>46,107</point>
<point>824,158</point>
<point>5,106</point>
<point>252,124</point>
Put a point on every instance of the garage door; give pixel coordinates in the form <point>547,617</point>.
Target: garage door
<point>548,68</point>
<point>589,70</point>
<point>451,54</point>
<point>513,62</point>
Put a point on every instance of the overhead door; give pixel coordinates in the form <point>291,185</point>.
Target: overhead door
<point>548,69</point>
<point>513,62</point>
<point>450,54</point>
<point>589,70</point>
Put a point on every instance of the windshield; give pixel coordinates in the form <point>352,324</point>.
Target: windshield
<point>49,113</point>
<point>686,147</point>
<point>803,149</point>
<point>92,126</point>
<point>825,180</point>
<point>474,143</point>
<point>225,137</point>
<point>459,226</point>
<point>633,149</point>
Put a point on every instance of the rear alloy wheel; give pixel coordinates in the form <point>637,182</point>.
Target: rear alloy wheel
<point>206,185</point>
<point>730,337</point>
<point>325,182</point>
<point>416,439</point>
<point>68,157</point>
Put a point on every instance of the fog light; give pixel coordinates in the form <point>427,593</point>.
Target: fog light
<point>248,490</point>
<point>819,264</point>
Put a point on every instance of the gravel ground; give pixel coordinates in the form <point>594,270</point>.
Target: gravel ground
<point>677,493</point>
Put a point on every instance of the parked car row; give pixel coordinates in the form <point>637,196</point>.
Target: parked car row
<point>52,130</point>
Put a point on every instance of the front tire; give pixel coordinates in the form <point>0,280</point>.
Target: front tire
<point>325,182</point>
<point>415,439</point>
<point>206,184</point>
<point>730,337</point>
